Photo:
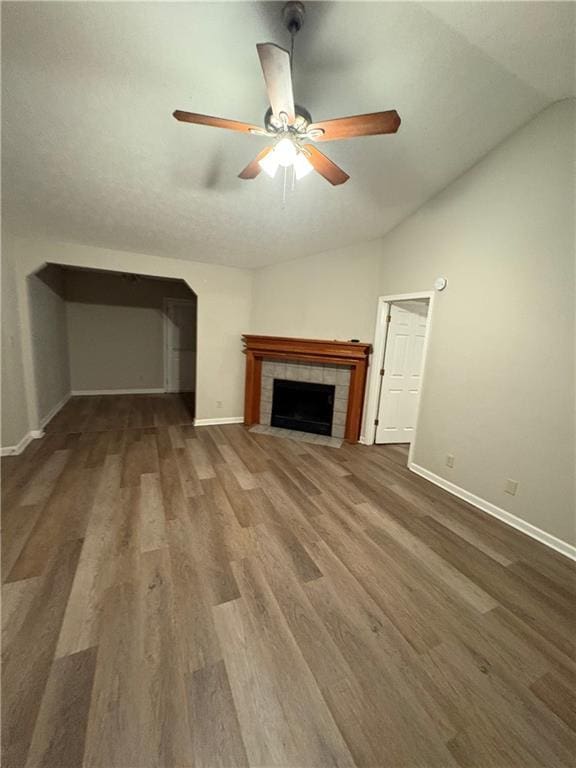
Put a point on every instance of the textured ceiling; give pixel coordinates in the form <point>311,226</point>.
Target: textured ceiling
<point>91,153</point>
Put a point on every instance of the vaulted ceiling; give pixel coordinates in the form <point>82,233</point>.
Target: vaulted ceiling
<point>91,153</point>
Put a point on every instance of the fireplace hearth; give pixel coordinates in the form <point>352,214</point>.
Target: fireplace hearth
<point>303,406</point>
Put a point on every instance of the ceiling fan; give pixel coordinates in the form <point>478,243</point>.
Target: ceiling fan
<point>291,127</point>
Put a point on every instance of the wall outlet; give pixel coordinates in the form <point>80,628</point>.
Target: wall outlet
<point>511,487</point>
<point>449,460</point>
<point>218,403</point>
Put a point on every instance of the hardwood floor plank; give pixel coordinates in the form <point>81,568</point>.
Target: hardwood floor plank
<point>503,586</point>
<point>76,484</point>
<point>216,738</point>
<point>114,731</point>
<point>558,697</point>
<point>81,624</point>
<point>435,566</point>
<point>315,644</point>
<point>41,486</point>
<point>381,580</point>
<point>250,507</point>
<point>200,460</point>
<point>433,509</point>
<point>286,511</point>
<point>194,627</point>
<point>258,705</point>
<point>489,748</point>
<point>208,542</point>
<point>500,710</point>
<point>61,725</point>
<point>559,597</point>
<point>253,456</point>
<point>507,621</point>
<point>18,522</point>
<point>375,650</point>
<point>165,733</point>
<point>306,732</point>
<point>152,514</point>
<point>173,481</point>
<point>341,599</point>
<point>16,599</point>
<point>208,439</point>
<point>27,658</point>
<point>245,478</point>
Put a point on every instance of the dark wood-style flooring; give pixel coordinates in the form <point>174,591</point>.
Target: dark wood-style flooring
<point>180,596</point>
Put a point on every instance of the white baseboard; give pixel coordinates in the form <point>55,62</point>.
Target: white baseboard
<point>88,392</point>
<point>14,450</point>
<point>214,422</point>
<point>54,411</point>
<point>506,517</point>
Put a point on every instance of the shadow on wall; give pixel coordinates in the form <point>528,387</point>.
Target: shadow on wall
<point>102,332</point>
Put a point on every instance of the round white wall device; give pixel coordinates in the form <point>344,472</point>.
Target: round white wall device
<point>440,283</point>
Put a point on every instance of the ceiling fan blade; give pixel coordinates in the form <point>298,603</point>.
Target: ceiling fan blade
<point>275,63</point>
<point>357,125</point>
<point>253,168</point>
<point>325,167</point>
<point>215,122</point>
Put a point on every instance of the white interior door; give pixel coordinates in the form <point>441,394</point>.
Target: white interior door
<point>403,359</point>
<point>180,339</point>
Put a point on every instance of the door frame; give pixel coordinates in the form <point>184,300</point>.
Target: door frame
<point>378,352</point>
<point>166,302</point>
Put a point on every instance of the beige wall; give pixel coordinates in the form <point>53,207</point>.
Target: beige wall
<point>224,301</point>
<point>116,329</point>
<point>14,408</point>
<point>329,296</point>
<point>499,388</point>
<point>49,339</point>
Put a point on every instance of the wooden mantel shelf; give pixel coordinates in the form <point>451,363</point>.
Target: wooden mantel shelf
<point>348,353</point>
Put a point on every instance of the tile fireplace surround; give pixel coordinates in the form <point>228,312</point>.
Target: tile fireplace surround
<point>341,363</point>
<point>314,373</point>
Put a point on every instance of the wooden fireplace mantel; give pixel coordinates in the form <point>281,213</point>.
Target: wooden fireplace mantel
<point>347,353</point>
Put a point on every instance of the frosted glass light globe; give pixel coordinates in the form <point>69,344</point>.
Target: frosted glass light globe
<point>285,152</point>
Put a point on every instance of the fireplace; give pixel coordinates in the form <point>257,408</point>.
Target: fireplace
<point>341,364</point>
<point>303,406</point>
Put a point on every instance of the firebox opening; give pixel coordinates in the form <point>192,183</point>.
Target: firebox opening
<point>303,406</point>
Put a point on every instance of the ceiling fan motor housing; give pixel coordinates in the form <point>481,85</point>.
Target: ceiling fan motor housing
<point>300,124</point>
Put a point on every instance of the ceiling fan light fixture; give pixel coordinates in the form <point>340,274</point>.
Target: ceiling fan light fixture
<point>302,166</point>
<point>269,163</point>
<point>286,152</point>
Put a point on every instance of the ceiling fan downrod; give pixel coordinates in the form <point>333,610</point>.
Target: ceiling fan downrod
<point>293,15</point>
